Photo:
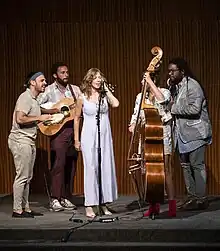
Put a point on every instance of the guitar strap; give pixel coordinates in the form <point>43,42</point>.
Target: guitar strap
<point>72,92</point>
<point>72,151</point>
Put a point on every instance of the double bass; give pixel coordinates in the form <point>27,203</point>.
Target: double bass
<point>147,164</point>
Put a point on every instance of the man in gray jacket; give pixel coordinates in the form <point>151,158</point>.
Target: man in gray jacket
<point>192,131</point>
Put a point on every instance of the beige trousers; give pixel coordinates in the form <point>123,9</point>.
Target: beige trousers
<point>24,157</point>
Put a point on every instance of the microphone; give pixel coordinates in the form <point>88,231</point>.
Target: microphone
<point>103,81</point>
<point>102,87</point>
<point>168,82</point>
<point>172,88</point>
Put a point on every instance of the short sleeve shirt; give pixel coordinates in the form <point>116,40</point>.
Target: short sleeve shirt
<point>27,104</point>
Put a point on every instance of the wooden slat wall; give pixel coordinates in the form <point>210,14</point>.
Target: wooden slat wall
<point>115,36</point>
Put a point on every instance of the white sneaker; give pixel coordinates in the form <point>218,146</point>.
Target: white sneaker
<point>56,206</point>
<point>66,204</point>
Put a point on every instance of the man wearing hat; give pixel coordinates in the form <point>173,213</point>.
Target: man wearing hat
<point>21,142</point>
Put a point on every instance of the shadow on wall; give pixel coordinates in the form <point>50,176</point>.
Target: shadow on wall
<point>41,170</point>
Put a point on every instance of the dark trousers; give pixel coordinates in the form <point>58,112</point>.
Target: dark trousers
<point>63,163</point>
<point>194,171</point>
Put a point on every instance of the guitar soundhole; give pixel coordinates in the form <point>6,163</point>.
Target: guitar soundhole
<point>65,111</point>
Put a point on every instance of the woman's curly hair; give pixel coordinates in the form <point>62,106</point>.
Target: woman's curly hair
<point>86,85</point>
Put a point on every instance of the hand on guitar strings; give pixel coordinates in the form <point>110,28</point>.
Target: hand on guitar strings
<point>44,117</point>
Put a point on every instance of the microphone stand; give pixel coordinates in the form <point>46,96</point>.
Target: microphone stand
<point>100,219</point>
<point>101,97</point>
<point>99,152</point>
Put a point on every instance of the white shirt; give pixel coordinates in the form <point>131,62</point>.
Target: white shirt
<point>162,106</point>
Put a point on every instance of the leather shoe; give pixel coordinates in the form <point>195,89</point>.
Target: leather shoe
<point>22,215</point>
<point>202,204</point>
<point>34,213</point>
<point>190,205</point>
<point>181,204</point>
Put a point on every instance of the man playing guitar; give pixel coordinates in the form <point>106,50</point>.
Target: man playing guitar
<point>63,154</point>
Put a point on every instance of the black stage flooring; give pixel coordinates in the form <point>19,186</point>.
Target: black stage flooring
<point>189,230</point>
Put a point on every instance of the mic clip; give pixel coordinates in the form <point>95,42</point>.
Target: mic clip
<point>103,91</point>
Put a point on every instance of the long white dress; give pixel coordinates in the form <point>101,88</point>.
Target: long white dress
<point>89,147</point>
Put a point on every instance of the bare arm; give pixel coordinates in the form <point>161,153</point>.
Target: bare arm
<point>135,114</point>
<point>113,101</point>
<point>49,111</point>
<point>23,119</point>
<point>157,93</point>
<point>78,111</point>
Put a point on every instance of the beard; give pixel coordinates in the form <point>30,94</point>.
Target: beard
<point>63,82</point>
<point>176,80</point>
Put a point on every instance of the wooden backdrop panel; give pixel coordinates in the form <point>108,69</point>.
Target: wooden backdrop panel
<point>116,37</point>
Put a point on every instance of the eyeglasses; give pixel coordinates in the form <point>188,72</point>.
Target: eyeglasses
<point>172,71</point>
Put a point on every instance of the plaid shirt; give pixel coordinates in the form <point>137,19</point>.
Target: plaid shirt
<point>53,94</point>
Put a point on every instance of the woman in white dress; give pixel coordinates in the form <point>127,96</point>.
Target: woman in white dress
<point>161,99</point>
<point>93,87</point>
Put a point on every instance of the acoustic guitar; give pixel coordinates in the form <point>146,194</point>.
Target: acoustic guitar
<point>52,126</point>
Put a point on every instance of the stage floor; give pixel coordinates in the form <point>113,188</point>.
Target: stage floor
<point>195,227</point>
